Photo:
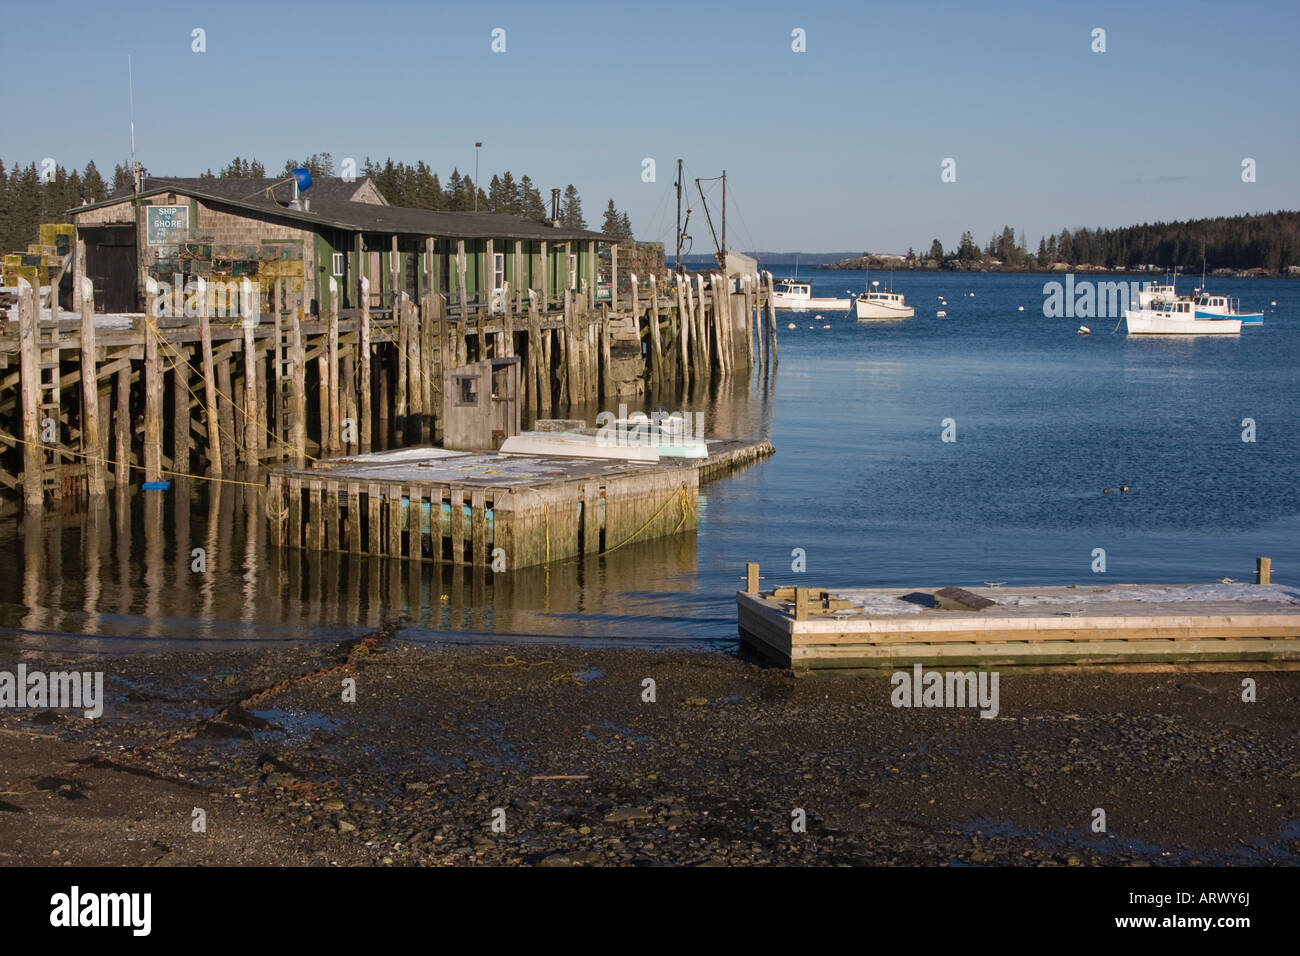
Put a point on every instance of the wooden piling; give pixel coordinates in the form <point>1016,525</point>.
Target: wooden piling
<point>226,413</point>
<point>83,295</point>
<point>214,450</point>
<point>122,431</point>
<point>297,388</point>
<point>153,395</point>
<point>656,343</point>
<point>334,434</point>
<point>606,382</point>
<point>365,366</point>
<point>30,373</point>
<point>1263,570</point>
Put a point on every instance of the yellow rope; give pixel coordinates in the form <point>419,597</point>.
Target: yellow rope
<point>235,442</point>
<point>118,464</point>
<point>220,394</point>
<point>681,496</point>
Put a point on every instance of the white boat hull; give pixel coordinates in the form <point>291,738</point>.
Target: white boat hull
<point>1151,322</point>
<point>564,445</point>
<point>879,310</point>
<point>801,304</point>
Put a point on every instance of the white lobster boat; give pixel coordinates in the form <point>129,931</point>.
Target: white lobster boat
<point>1177,318</point>
<point>883,305</point>
<point>1222,307</point>
<point>796,295</point>
<point>1157,295</point>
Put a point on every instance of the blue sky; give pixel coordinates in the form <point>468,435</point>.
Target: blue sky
<point>835,148</point>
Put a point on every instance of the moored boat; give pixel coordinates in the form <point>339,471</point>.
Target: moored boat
<point>883,305</point>
<point>1177,318</point>
<point>1222,307</point>
<point>796,295</point>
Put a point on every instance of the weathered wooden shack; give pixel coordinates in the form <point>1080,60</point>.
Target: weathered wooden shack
<point>175,230</point>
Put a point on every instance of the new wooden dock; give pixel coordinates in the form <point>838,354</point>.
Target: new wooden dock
<point>486,509</point>
<point>809,628</point>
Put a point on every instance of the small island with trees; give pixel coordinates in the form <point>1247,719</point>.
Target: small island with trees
<point>1261,244</point>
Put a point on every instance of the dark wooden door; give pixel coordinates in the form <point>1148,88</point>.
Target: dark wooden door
<point>112,266</point>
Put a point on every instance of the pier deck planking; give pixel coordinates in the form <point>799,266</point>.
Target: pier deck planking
<point>815,628</point>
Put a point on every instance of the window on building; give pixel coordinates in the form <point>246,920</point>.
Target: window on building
<point>467,390</point>
<point>338,264</point>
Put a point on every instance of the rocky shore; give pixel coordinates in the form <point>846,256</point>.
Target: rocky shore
<point>472,755</point>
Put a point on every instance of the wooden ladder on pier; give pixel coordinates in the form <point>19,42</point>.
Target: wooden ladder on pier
<point>51,404</point>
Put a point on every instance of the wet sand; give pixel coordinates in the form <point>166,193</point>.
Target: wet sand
<point>559,747</point>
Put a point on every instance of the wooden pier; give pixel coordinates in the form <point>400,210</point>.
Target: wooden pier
<point>207,395</point>
<point>811,628</point>
<point>487,510</point>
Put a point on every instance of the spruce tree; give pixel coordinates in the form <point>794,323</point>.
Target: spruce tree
<point>571,209</point>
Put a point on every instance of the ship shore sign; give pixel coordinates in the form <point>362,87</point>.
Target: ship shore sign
<point>167,224</point>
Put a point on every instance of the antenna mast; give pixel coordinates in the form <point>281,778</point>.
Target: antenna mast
<point>130,83</point>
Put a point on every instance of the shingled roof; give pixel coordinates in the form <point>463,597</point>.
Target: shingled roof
<point>326,187</point>
<point>349,216</point>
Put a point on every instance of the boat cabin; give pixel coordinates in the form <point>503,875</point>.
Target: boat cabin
<point>793,287</point>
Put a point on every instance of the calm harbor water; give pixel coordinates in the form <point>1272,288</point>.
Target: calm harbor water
<point>861,481</point>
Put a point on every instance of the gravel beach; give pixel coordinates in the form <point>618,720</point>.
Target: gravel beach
<point>553,756</point>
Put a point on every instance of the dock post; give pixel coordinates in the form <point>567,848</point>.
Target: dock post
<point>226,388</point>
<point>771,319</point>
<point>656,341</point>
<point>152,388</point>
<point>334,440</point>
<point>569,337</point>
<point>30,368</point>
<point>399,313</point>
<point>122,431</point>
<point>180,409</point>
<point>365,365</point>
<point>277,353</point>
<point>683,337</point>
<point>415,377</point>
<point>249,315</point>
<point>801,596</point>
<point>297,388</point>
<point>508,332</point>
<point>751,578</point>
<point>461,347</point>
<point>83,296</point>
<point>209,383</point>
<point>1263,570</point>
<point>606,370</point>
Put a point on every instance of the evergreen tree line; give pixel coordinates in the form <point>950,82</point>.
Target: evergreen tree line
<point>1269,241</point>
<point>26,201</point>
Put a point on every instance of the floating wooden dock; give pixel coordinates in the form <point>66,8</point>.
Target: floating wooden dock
<point>489,510</point>
<point>807,628</point>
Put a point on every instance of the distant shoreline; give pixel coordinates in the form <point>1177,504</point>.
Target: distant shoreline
<point>1060,268</point>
